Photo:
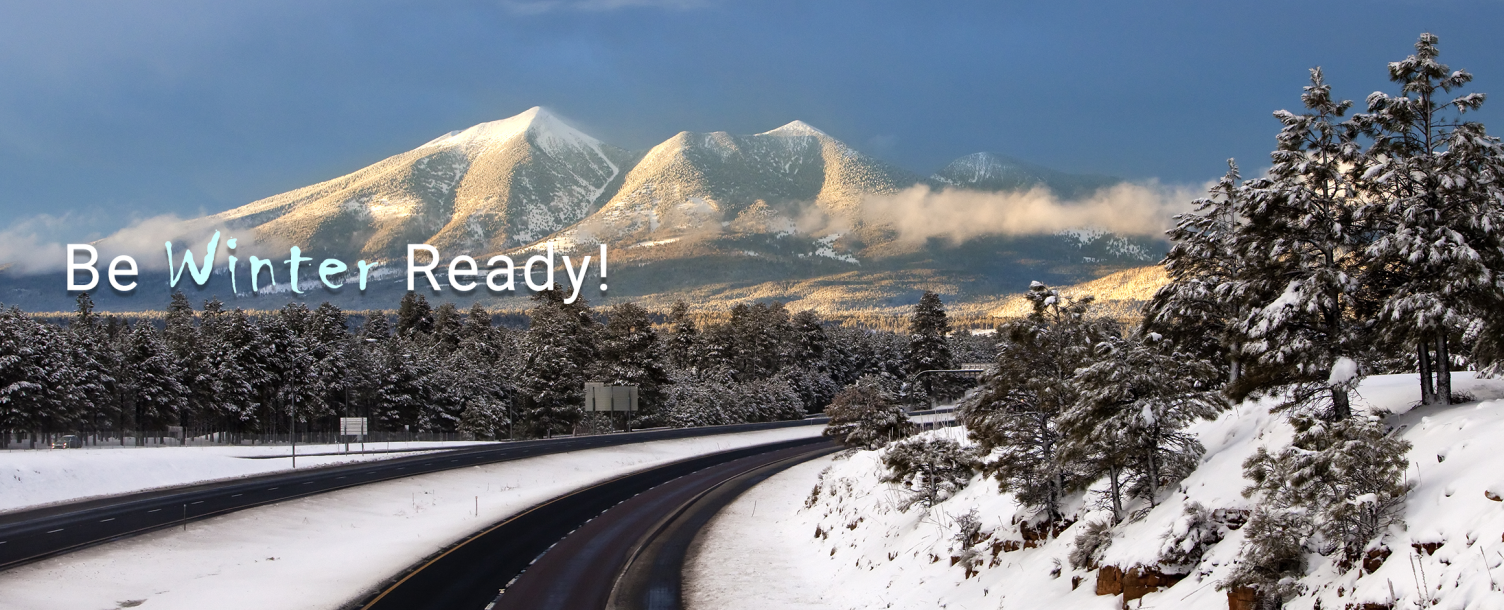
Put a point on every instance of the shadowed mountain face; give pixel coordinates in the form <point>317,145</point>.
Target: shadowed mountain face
<point>713,217</point>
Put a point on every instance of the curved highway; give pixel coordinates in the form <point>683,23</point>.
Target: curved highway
<point>618,543</point>
<point>30,535</point>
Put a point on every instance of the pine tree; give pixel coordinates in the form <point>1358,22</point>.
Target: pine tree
<point>23,378</point>
<point>684,344</point>
<point>560,346</point>
<point>1272,559</point>
<point>153,393</point>
<point>629,353</point>
<point>238,370</point>
<point>414,315</point>
<point>1438,206</point>
<point>932,469</point>
<point>928,347</point>
<point>865,417</point>
<point>1136,400</point>
<point>1347,477</point>
<point>400,386</point>
<point>1306,245</point>
<point>447,327</point>
<point>376,326</point>
<point>1013,416</point>
<point>1200,307</point>
<point>477,323</point>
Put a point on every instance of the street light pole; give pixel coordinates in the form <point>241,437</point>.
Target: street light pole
<point>294,430</point>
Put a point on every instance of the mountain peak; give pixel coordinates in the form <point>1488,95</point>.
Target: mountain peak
<point>794,128</point>
<point>537,121</point>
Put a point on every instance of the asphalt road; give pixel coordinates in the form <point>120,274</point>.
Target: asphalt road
<point>568,552</point>
<point>30,535</point>
<point>653,579</point>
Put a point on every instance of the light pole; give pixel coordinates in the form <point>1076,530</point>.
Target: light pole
<point>294,430</point>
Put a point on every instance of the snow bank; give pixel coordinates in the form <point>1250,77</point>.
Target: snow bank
<point>328,550</point>
<point>30,478</point>
<point>847,546</point>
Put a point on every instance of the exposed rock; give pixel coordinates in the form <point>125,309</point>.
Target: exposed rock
<point>1375,558</point>
<point>1242,598</point>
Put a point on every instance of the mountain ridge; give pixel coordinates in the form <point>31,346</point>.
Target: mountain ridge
<point>708,215</point>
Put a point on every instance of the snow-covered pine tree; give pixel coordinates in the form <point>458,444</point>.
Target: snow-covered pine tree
<point>865,417</point>
<point>153,393</point>
<point>414,314</point>
<point>1303,243</point>
<point>1272,558</point>
<point>629,355</point>
<point>758,339</point>
<point>1198,307</point>
<point>328,342</point>
<point>400,387</point>
<point>771,399</point>
<point>928,346</point>
<point>238,371</point>
<point>560,347</point>
<point>1135,401</point>
<point>684,344</point>
<point>1346,477</point>
<point>931,469</point>
<point>477,323</point>
<point>88,372</point>
<point>23,377</point>
<point>376,326</point>
<point>181,336</point>
<point>447,327</point>
<point>1013,416</point>
<point>1433,182</point>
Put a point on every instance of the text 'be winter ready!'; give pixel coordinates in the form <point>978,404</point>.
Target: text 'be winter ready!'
<point>500,271</point>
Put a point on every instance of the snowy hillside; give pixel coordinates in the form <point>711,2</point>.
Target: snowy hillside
<point>843,543</point>
<point>34,478</point>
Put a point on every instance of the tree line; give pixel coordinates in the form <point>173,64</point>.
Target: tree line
<point>239,374</point>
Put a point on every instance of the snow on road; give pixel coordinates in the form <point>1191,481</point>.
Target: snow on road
<point>867,554</point>
<point>330,549</point>
<point>30,478</point>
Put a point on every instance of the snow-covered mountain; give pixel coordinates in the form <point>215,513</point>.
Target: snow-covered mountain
<point>699,183</point>
<point>716,217</point>
<point>492,186</point>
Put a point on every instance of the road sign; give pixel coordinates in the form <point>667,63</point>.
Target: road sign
<point>602,397</point>
<point>352,426</point>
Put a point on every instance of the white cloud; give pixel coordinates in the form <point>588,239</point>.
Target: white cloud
<point>920,213</point>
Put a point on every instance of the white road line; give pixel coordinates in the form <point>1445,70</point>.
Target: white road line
<point>56,530</point>
<point>107,520</point>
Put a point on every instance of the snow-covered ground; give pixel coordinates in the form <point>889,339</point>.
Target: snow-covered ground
<point>30,478</point>
<point>869,555</point>
<point>327,550</point>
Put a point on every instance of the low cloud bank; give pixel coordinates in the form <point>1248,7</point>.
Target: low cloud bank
<point>920,213</point>
<point>39,244</point>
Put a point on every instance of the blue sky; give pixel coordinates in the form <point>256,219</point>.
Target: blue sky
<point>117,111</point>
